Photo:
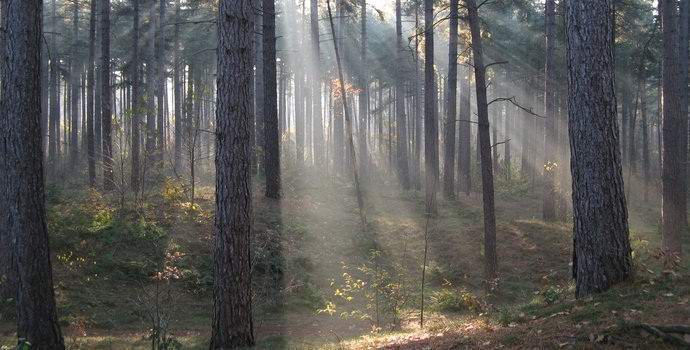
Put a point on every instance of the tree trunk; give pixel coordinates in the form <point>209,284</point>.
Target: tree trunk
<point>550,142</point>
<point>177,92</point>
<point>465,135</point>
<point>160,81</point>
<point>674,216</point>
<point>106,100</point>
<point>136,95</point>
<point>22,195</point>
<point>319,159</point>
<point>90,97</point>
<point>601,254</point>
<point>451,108</point>
<point>270,109</point>
<point>400,118</point>
<point>484,143</point>
<point>259,90</point>
<point>232,307</point>
<point>364,96</point>
<point>74,85</point>
<point>430,122</point>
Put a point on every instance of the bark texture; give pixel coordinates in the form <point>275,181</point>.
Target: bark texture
<point>601,255</point>
<point>270,108</point>
<point>232,309</point>
<point>22,196</point>
<point>451,108</point>
<point>674,123</point>
<point>430,105</point>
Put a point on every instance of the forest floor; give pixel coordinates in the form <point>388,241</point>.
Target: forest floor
<point>122,270</point>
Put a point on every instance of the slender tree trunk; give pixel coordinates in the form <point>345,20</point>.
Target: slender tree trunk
<point>550,142</point>
<point>674,216</point>
<point>177,92</point>
<point>259,89</point>
<point>465,135</point>
<point>645,142</point>
<point>451,108</point>
<point>136,95</point>
<point>160,81</point>
<point>106,100</point>
<point>348,121</point>
<point>484,143</point>
<point>74,85</point>
<point>601,254</point>
<point>22,196</point>
<point>54,133</point>
<point>364,95</point>
<point>319,159</point>
<point>400,118</point>
<point>430,121</point>
<point>90,96</point>
<point>270,109</point>
<point>232,307</point>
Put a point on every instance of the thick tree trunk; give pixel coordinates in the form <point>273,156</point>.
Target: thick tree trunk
<point>484,144</point>
<point>270,108</point>
<point>674,169</point>
<point>232,308</point>
<point>601,255</point>
<point>430,118</point>
<point>106,99</point>
<point>451,106</point>
<point>550,142</point>
<point>22,196</point>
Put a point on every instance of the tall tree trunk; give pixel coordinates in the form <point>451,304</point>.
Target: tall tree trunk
<point>160,81</point>
<point>601,254</point>
<point>451,107</point>
<point>400,118</point>
<point>259,89</point>
<point>484,143</point>
<point>106,101</point>
<point>430,121</point>
<point>136,95</point>
<point>91,151</point>
<point>270,108</point>
<point>151,146</point>
<point>22,196</point>
<point>232,307</point>
<point>351,144</point>
<point>54,133</point>
<point>364,95</point>
<point>550,142</point>
<point>319,159</point>
<point>417,108</point>
<point>465,135</point>
<point>645,141</point>
<point>74,85</point>
<point>177,92</point>
<point>674,169</point>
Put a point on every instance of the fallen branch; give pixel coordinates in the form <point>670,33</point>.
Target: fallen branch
<point>662,332</point>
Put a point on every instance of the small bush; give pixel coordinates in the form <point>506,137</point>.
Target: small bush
<point>450,300</point>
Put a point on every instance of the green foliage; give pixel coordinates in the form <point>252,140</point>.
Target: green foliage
<point>450,300</point>
<point>514,186</point>
<point>371,292</point>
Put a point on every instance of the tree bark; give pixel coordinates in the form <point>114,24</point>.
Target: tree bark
<point>674,216</point>
<point>22,195</point>
<point>400,118</point>
<point>136,95</point>
<point>270,108</point>
<point>550,142</point>
<point>484,143</point>
<point>106,99</point>
<point>177,91</point>
<point>451,108</point>
<point>601,254</point>
<point>90,97</point>
<point>74,85</point>
<point>465,135</point>
<point>430,118</point>
<point>232,308</point>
